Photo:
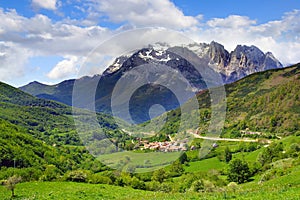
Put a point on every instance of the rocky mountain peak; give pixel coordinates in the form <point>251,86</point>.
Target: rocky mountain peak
<point>242,61</point>
<point>218,55</point>
<point>116,65</point>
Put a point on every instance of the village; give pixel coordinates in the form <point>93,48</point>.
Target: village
<point>166,146</point>
<point>182,145</point>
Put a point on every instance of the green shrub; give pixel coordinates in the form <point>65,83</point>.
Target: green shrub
<point>137,184</point>
<point>197,186</point>
<point>232,186</point>
<point>159,175</point>
<point>238,171</point>
<point>51,173</point>
<point>11,183</point>
<point>165,187</point>
<point>152,185</point>
<point>208,186</point>
<point>77,176</point>
<point>99,179</point>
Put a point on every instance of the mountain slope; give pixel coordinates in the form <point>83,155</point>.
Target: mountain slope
<point>48,121</point>
<point>38,136</point>
<point>266,102</point>
<point>23,154</point>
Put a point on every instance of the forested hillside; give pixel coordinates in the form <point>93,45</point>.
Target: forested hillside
<point>267,102</point>
<point>38,137</point>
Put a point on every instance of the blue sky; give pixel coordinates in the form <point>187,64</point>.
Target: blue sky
<point>262,10</point>
<point>48,40</point>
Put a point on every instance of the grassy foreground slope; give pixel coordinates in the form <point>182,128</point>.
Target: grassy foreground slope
<point>285,187</point>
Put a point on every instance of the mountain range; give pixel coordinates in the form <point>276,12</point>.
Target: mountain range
<point>160,70</point>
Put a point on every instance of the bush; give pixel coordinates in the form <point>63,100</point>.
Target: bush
<point>159,175</point>
<point>2,182</point>
<point>232,186</point>
<point>99,179</point>
<point>187,180</point>
<point>137,184</point>
<point>11,183</point>
<point>176,169</point>
<point>119,182</point>
<point>197,186</point>
<point>238,171</point>
<point>144,176</point>
<point>126,178</point>
<point>228,155</point>
<point>268,175</point>
<point>27,174</point>
<point>270,154</point>
<point>208,186</point>
<point>152,185</point>
<point>51,173</point>
<point>165,187</point>
<point>77,176</point>
<point>255,168</point>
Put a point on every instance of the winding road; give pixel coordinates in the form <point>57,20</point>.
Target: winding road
<point>225,139</point>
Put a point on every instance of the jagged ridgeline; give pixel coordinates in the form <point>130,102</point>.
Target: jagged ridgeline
<point>232,66</point>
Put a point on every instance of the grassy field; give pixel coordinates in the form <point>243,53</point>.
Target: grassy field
<point>66,191</point>
<point>144,162</point>
<point>250,157</point>
<point>205,165</point>
<point>285,187</point>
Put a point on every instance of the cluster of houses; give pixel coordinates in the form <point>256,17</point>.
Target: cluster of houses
<point>248,132</point>
<point>164,146</point>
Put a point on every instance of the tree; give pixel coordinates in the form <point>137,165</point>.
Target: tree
<point>238,171</point>
<point>11,183</point>
<point>183,158</point>
<point>228,155</point>
<point>270,153</point>
<point>77,176</point>
<point>159,175</point>
<point>176,169</point>
<point>137,184</point>
<point>51,173</point>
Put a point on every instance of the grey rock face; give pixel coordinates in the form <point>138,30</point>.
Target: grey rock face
<point>242,61</point>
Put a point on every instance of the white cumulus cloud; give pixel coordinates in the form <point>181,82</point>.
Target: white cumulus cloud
<point>65,68</point>
<point>145,13</point>
<point>46,4</point>
<point>13,59</point>
<point>232,21</point>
